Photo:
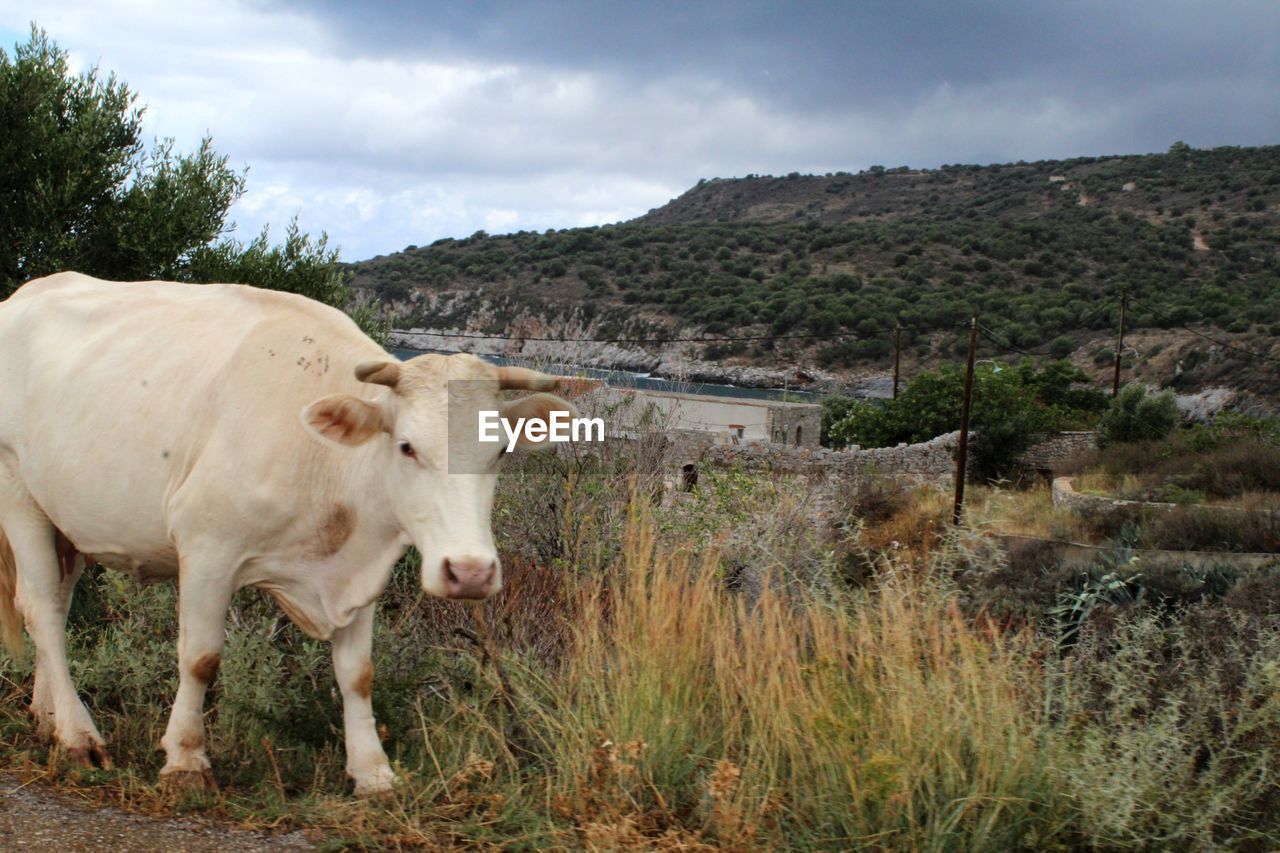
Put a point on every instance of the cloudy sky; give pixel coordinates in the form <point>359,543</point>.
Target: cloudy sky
<point>390,122</point>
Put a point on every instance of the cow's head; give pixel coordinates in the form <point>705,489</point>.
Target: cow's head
<point>424,435</point>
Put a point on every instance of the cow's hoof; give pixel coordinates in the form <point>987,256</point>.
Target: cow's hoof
<point>91,755</point>
<point>379,785</point>
<point>188,780</point>
<point>44,721</point>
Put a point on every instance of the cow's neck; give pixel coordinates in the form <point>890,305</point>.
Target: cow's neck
<point>342,558</point>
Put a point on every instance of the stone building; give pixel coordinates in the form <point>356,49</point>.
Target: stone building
<point>724,420</point>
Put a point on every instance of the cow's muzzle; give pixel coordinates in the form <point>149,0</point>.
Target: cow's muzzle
<point>470,577</point>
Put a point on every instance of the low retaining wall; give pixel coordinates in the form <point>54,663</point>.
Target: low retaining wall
<point>1066,497</point>
<point>1058,450</point>
<point>927,463</point>
<point>1075,552</point>
<point>931,462</point>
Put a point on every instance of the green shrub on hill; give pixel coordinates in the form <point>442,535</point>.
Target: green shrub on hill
<point>1012,404</point>
<point>1136,415</point>
<point>1000,241</point>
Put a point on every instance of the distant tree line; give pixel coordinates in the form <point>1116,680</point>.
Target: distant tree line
<point>1044,280</point>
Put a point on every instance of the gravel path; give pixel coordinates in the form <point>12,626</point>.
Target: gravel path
<point>33,818</point>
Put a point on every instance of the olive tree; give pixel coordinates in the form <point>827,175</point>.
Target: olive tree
<point>80,191</point>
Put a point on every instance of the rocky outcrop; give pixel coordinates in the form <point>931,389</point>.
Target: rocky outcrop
<point>665,362</point>
<point>1205,405</point>
<point>606,356</point>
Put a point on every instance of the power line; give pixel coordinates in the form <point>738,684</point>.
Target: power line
<point>991,336</point>
<point>1232,346</point>
<point>987,333</point>
<point>823,336</point>
<point>1094,311</point>
<point>1164,318</point>
<point>816,336</point>
<point>1083,319</point>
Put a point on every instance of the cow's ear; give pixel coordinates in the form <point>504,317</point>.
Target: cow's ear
<point>536,407</point>
<point>344,419</point>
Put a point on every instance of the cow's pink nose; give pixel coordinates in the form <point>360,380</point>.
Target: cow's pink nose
<point>469,577</point>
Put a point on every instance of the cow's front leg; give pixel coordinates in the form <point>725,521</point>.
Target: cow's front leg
<point>204,593</point>
<point>353,665</point>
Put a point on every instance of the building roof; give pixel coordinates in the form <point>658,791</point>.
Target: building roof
<point>712,398</point>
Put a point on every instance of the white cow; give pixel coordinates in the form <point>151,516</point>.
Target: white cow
<point>229,437</point>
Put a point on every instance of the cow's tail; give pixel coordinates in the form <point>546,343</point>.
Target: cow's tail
<point>10,616</point>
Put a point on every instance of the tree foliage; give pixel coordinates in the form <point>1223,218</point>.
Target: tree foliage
<point>1012,404</point>
<point>835,408</point>
<point>80,191</point>
<point>1136,415</point>
<point>300,265</point>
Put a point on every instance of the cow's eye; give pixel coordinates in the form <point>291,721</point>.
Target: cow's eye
<point>407,449</point>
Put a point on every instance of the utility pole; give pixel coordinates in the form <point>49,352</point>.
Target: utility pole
<point>897,355</point>
<point>1115,382</point>
<point>962,452</point>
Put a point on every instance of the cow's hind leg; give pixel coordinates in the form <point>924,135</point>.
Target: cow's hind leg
<point>70,566</point>
<point>43,593</point>
<point>366,762</point>
<point>204,593</point>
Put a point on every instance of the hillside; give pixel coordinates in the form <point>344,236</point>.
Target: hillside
<point>1158,186</point>
<point>827,266</point>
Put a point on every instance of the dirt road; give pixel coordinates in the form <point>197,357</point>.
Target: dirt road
<point>34,818</point>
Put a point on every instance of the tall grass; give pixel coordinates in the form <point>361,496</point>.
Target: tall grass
<point>628,690</point>
<point>889,721</point>
<point>1171,732</point>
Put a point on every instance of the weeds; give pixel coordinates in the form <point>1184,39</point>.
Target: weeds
<point>695,671</point>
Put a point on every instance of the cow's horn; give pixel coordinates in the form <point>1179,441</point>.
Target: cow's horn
<point>379,372</point>
<point>524,379</point>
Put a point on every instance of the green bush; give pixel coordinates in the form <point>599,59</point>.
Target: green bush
<point>1012,404</point>
<point>835,408</point>
<point>1062,346</point>
<point>1136,415</point>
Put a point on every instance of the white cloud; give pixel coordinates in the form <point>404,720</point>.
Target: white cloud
<point>385,150</point>
<point>378,153</point>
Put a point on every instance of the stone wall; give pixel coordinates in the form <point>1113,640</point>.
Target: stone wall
<point>1056,551</point>
<point>1066,497</point>
<point>1057,450</point>
<point>929,462</point>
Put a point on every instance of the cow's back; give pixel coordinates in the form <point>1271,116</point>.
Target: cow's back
<point>115,397</point>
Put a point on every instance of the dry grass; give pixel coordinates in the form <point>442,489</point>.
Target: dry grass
<point>1027,512</point>
<point>644,697</point>
<point>676,716</point>
<point>893,723</point>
